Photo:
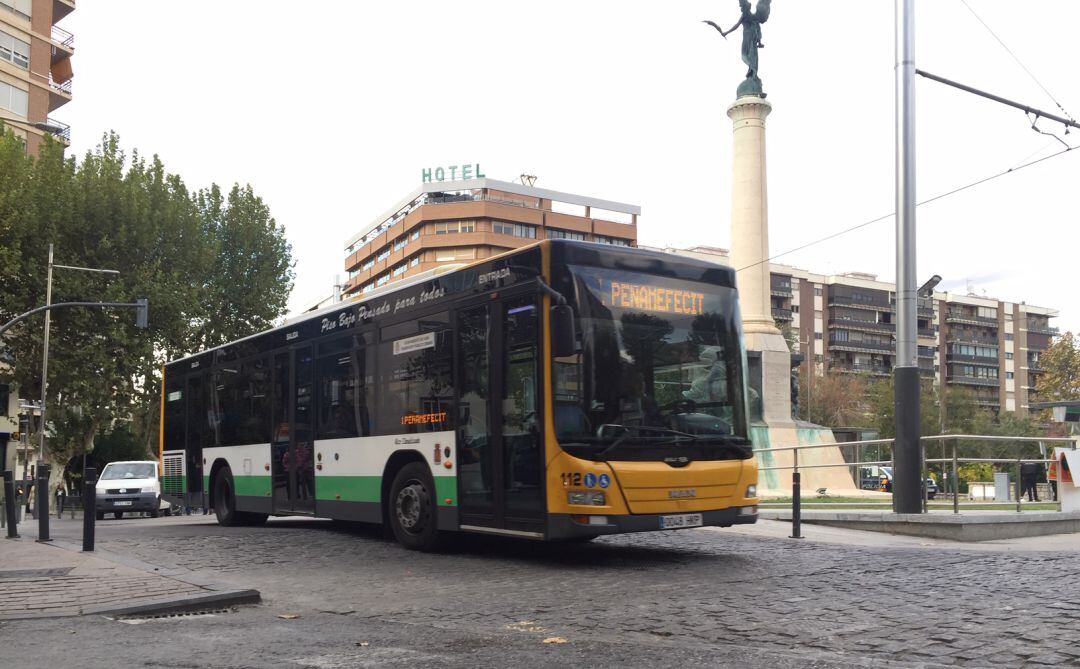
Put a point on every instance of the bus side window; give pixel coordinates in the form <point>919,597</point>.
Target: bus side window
<point>415,386</point>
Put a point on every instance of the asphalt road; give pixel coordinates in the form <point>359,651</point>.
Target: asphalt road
<point>341,596</point>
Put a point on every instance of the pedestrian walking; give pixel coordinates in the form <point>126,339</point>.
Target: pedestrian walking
<point>61,497</point>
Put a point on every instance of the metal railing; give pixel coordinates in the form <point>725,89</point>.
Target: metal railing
<point>63,37</point>
<point>61,86</point>
<point>65,129</point>
<point>954,459</point>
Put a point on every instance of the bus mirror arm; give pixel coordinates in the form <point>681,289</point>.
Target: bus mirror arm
<point>563,335</point>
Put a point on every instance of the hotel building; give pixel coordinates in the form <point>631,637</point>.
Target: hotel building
<point>459,221</point>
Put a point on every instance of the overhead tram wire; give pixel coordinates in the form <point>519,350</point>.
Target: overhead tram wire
<point>1018,62</point>
<point>918,204</point>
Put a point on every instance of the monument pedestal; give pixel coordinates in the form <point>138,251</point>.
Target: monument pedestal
<point>750,257</point>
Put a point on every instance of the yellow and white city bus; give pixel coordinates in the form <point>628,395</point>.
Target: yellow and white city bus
<point>560,391</point>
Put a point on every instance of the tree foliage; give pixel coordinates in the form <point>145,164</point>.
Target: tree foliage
<point>214,269</point>
<point>1061,379</point>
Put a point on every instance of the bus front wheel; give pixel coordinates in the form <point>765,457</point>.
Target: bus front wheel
<point>413,508</point>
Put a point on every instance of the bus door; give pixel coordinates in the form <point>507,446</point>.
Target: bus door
<point>293,470</point>
<point>198,435</point>
<point>500,449</point>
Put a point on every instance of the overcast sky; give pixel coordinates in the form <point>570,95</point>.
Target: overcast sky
<point>331,109</point>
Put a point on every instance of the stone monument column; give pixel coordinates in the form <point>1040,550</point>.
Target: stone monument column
<point>750,253</point>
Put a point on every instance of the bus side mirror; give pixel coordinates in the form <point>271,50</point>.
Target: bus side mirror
<point>563,337</point>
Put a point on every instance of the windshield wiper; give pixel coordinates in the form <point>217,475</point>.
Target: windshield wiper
<point>629,429</point>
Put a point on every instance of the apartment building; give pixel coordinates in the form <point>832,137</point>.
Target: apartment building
<point>846,323</point>
<point>35,67</point>
<point>462,220</point>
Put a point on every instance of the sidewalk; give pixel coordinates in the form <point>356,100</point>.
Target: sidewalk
<point>57,579</point>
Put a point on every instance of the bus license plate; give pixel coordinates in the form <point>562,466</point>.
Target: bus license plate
<point>682,520</point>
<point>124,503</point>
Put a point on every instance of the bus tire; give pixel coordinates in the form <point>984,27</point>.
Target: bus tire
<point>413,508</point>
<point>225,499</point>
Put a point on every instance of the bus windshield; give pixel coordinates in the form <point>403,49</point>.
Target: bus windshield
<point>659,370</point>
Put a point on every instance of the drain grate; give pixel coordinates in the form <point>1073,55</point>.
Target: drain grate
<point>175,615</point>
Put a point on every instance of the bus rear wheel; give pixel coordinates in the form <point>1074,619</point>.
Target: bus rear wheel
<point>412,508</point>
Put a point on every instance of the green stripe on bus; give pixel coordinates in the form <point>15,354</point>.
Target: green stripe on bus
<point>252,486</point>
<point>368,489</point>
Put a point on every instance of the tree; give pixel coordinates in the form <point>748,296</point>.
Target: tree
<point>213,271</point>
<point>1061,380</point>
<point>833,400</point>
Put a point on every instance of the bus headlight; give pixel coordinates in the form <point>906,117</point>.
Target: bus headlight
<point>586,498</point>
<point>751,490</point>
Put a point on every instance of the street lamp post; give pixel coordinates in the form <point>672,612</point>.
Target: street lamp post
<point>45,352</point>
<point>47,127</point>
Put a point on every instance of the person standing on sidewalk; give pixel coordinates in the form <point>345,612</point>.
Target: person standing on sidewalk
<point>1029,476</point>
<point>61,497</point>
<point>1051,476</point>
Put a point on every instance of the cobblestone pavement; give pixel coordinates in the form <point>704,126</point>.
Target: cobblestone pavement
<point>662,599</point>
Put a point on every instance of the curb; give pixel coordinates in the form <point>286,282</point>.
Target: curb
<point>214,595</point>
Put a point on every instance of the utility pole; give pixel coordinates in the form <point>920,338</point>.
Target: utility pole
<point>45,360</point>
<point>907,447</point>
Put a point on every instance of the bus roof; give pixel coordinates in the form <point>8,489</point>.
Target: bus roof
<point>564,250</point>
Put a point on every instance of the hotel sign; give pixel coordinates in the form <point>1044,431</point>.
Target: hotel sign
<point>451,173</point>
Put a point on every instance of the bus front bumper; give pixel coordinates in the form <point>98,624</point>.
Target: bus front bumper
<point>567,526</point>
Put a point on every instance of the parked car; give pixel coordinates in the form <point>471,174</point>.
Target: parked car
<point>885,478</point>
<point>129,487</point>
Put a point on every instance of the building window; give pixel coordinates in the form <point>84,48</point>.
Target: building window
<point>368,288</point>
<point>415,235</point>
<point>515,229</point>
<point>555,233</point>
<point>400,242</point>
<point>987,312</point>
<point>817,291</point>
<point>452,227</point>
<point>613,241</point>
<point>367,265</point>
<point>382,279</point>
<point>1009,375</point>
<point>444,255</point>
<point>415,261</point>
<point>817,335</point>
<point>1008,356</point>
<point>399,270</point>
<point>13,99</point>
<point>1008,336</point>
<point>14,51</point>
<point>20,7</point>
<point>383,255</point>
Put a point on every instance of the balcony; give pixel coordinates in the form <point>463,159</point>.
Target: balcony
<point>855,324</point>
<point>781,289</point>
<point>961,338</point>
<point>781,314</point>
<point>973,381</point>
<point>973,359</point>
<point>1043,329</point>
<point>62,40</point>
<point>64,136</point>
<point>62,8</point>
<point>971,319</point>
<point>860,346</point>
<point>860,368</point>
<point>59,92</point>
<point>844,301</point>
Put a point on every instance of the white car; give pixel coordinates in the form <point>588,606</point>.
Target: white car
<point>131,486</point>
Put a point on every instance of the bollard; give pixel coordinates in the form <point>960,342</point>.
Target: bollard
<point>9,504</point>
<point>89,507</point>
<point>42,503</point>
<point>796,505</point>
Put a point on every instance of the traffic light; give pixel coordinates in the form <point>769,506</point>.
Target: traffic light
<point>142,313</point>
